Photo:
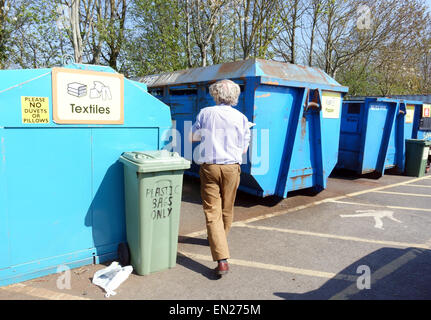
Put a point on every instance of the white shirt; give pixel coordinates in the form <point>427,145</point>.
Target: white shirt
<point>225,135</point>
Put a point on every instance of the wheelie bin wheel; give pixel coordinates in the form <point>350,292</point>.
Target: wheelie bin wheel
<point>123,254</point>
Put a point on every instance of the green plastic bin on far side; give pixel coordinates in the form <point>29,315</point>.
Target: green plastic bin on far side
<point>417,152</point>
<point>153,183</point>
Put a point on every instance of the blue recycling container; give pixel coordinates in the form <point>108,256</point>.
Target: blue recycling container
<point>413,112</point>
<point>296,111</point>
<point>373,134</point>
<point>62,131</point>
<point>422,120</point>
<point>420,116</point>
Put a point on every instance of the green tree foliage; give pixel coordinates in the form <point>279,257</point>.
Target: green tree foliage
<point>375,47</point>
<point>159,31</point>
<point>394,55</point>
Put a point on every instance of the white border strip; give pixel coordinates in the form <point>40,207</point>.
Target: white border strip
<point>273,267</point>
<point>40,292</point>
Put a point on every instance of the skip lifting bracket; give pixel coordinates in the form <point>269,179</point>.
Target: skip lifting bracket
<point>314,105</point>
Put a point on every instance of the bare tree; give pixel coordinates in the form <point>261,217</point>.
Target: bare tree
<point>76,30</point>
<point>337,26</point>
<point>81,24</point>
<point>314,11</point>
<point>97,33</point>
<point>254,18</point>
<point>97,29</point>
<point>390,56</point>
<point>344,38</point>
<point>218,43</point>
<point>266,36</point>
<point>204,17</point>
<point>290,13</point>
<point>425,68</point>
<point>115,31</point>
<point>187,10</point>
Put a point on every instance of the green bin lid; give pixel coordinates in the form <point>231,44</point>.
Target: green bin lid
<point>426,143</point>
<point>154,161</point>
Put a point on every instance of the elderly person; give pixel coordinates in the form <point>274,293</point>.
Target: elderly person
<point>224,133</point>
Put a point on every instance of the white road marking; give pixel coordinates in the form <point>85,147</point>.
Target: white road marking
<point>40,292</point>
<point>405,194</point>
<point>418,185</point>
<point>378,215</point>
<point>428,243</point>
<point>332,236</point>
<point>354,194</point>
<point>381,206</point>
<point>267,266</point>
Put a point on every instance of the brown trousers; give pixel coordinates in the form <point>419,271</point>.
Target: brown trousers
<point>219,183</point>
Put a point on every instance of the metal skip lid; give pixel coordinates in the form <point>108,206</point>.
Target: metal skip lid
<point>154,161</point>
<point>419,141</point>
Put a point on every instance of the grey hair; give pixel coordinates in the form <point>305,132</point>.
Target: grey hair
<point>225,92</point>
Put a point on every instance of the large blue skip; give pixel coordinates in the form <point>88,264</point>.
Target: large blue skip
<point>296,110</point>
<point>373,134</point>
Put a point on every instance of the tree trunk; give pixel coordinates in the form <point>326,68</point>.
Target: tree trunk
<point>3,36</point>
<point>188,36</point>
<point>97,41</point>
<point>203,56</point>
<point>293,34</point>
<point>76,31</point>
<point>310,54</point>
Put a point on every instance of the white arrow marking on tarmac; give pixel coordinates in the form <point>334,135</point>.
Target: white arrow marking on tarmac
<point>378,215</point>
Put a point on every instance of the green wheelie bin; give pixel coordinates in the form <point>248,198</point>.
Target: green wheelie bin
<point>153,183</point>
<point>417,153</point>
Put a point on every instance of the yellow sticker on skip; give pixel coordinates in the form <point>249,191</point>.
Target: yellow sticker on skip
<point>35,110</point>
<point>331,104</point>
<point>410,115</point>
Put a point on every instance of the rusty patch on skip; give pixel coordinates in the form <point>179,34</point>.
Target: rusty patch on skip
<point>301,178</point>
<point>303,126</point>
<point>264,96</point>
<point>288,71</point>
<point>227,68</point>
<point>271,83</point>
<point>302,171</point>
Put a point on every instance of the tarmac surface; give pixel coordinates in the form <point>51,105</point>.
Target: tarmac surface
<point>361,238</point>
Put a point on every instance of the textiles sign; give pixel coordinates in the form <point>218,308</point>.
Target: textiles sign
<point>87,97</point>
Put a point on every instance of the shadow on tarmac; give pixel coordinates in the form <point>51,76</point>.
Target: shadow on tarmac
<point>344,174</point>
<point>197,267</point>
<point>191,240</point>
<point>191,194</point>
<point>395,274</point>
